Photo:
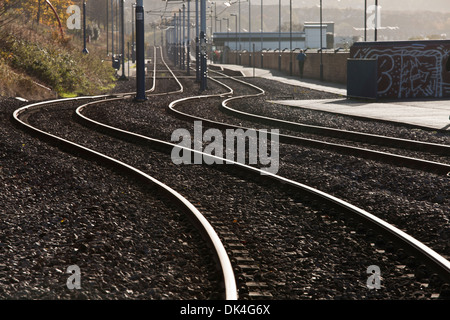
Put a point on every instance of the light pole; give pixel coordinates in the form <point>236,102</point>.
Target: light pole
<point>85,50</point>
<point>279,35</point>
<point>188,58</point>
<point>215,16</point>
<point>290,37</point>
<point>175,26</point>
<point>212,30</point>
<point>228,35</point>
<point>197,42</point>
<point>122,29</point>
<point>249,33</point>
<point>140,54</point>
<point>228,26</point>
<point>376,20</point>
<point>180,38</point>
<point>112,31</point>
<point>262,31</point>
<point>236,37</point>
<point>183,38</point>
<point>239,32</point>
<point>107,27</point>
<point>321,45</point>
<point>365,20</point>
<point>203,71</point>
<point>133,40</point>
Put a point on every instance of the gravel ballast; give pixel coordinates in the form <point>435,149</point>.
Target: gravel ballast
<point>302,252</point>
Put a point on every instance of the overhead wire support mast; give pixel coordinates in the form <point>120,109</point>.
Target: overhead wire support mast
<point>183,50</point>
<point>180,40</point>
<point>175,26</point>
<point>203,71</point>
<point>112,32</point>
<point>188,58</point>
<point>321,44</point>
<point>85,50</point>
<point>197,43</point>
<point>122,38</point>
<point>140,54</point>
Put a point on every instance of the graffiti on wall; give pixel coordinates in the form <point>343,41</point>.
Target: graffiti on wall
<point>409,70</point>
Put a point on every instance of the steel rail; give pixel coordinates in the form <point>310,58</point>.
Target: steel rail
<point>441,149</point>
<point>199,220</point>
<point>399,160</point>
<point>434,260</point>
<point>339,133</point>
<point>181,90</point>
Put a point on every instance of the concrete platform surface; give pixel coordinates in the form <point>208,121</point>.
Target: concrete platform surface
<point>432,114</point>
<point>275,75</point>
<point>427,113</point>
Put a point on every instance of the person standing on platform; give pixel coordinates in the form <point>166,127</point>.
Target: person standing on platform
<point>301,57</point>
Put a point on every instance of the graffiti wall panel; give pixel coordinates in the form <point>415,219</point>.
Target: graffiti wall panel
<point>409,69</point>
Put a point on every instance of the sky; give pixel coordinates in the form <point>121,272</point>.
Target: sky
<point>431,5</point>
<point>397,5</point>
<point>414,21</point>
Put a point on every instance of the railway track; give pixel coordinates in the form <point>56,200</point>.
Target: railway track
<point>308,198</point>
<point>341,145</point>
<point>146,140</point>
<point>312,195</point>
<point>22,116</point>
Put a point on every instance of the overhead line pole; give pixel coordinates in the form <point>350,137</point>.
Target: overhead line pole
<point>262,34</point>
<point>122,16</point>
<point>183,39</point>
<point>140,52</point>
<point>365,20</point>
<point>180,38</point>
<point>188,58</point>
<point>197,42</point>
<point>107,27</point>
<point>85,50</point>
<point>321,44</point>
<point>376,20</point>
<point>236,36</point>
<point>203,71</point>
<point>249,33</point>
<point>112,31</point>
<point>240,48</point>
<point>290,39</point>
<point>175,45</point>
<point>133,40</point>
<point>279,35</point>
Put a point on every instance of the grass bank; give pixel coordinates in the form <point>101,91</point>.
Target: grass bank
<point>36,62</point>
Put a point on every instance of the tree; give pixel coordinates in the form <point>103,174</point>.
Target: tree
<point>37,10</point>
<point>96,11</point>
<point>5,7</point>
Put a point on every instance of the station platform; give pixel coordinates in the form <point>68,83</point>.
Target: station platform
<point>424,113</point>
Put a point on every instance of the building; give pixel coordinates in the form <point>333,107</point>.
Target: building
<point>271,41</point>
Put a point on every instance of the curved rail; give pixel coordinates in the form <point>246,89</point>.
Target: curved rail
<point>181,90</point>
<point>417,248</point>
<point>344,134</point>
<point>199,220</point>
<point>339,133</point>
<point>421,164</point>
